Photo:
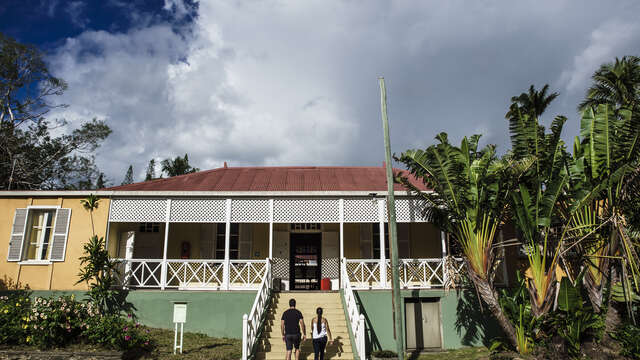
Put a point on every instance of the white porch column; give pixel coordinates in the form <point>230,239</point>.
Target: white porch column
<point>270,229</point>
<point>163,275</point>
<point>383,257</point>
<point>227,232</point>
<point>341,206</point>
<point>443,240</point>
<point>128,255</point>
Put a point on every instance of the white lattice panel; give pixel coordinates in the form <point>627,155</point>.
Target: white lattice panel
<point>361,210</point>
<point>330,268</point>
<point>138,210</point>
<point>250,210</point>
<point>306,210</point>
<point>198,210</point>
<point>408,210</point>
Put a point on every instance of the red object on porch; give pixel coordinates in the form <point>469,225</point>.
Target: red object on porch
<point>325,284</point>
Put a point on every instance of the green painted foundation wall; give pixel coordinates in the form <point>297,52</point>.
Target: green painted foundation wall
<point>217,314</point>
<point>462,322</point>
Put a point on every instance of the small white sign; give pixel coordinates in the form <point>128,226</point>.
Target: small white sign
<point>179,313</point>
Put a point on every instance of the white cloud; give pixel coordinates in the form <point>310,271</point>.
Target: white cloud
<point>292,83</point>
<point>607,41</point>
<point>75,10</point>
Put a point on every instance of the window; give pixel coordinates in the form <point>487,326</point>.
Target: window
<point>39,234</point>
<point>376,240</point>
<point>304,227</point>
<point>39,231</point>
<point>149,227</point>
<point>234,240</point>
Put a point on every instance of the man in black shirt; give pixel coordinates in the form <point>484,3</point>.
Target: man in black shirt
<point>290,324</point>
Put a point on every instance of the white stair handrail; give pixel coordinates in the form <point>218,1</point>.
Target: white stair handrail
<point>251,322</point>
<point>356,320</point>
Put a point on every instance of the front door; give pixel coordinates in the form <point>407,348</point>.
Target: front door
<point>305,261</point>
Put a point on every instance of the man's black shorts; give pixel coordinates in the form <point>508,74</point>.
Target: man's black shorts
<point>292,341</point>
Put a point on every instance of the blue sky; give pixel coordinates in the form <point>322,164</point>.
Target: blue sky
<point>289,82</point>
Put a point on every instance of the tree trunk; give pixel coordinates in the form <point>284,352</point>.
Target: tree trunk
<point>612,317</point>
<point>490,297</point>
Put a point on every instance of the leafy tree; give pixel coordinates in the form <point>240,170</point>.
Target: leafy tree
<point>100,182</point>
<point>98,270</point>
<point>178,166</point>
<point>604,179</point>
<point>535,203</point>
<point>616,84</point>
<point>532,102</point>
<point>471,190</point>
<point>91,203</point>
<point>128,176</point>
<point>30,156</point>
<point>151,170</point>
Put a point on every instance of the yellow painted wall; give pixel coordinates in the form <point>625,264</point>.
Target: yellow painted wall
<point>58,275</point>
<point>260,241</point>
<point>352,241</point>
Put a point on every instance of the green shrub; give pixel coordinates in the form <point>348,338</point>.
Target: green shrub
<point>60,321</point>
<point>116,332</point>
<point>56,322</point>
<point>629,337</point>
<point>14,314</point>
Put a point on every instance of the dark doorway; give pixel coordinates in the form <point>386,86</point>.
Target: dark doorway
<point>305,261</point>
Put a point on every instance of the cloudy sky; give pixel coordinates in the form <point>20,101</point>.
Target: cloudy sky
<point>291,82</point>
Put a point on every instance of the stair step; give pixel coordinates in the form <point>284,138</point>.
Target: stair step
<point>304,355</point>
<point>270,344</point>
<point>335,328</point>
<point>307,346</point>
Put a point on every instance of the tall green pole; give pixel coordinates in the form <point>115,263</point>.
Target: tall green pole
<point>393,233</point>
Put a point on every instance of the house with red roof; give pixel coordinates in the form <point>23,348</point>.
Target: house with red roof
<point>232,241</point>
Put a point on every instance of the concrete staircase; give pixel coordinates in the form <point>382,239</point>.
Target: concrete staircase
<point>271,346</point>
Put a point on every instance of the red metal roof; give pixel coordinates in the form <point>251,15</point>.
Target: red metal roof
<point>293,178</point>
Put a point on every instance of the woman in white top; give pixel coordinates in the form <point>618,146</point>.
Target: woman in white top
<point>320,331</point>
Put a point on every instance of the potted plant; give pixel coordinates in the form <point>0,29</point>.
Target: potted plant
<point>383,354</point>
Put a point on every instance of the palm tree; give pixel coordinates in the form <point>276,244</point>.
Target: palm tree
<point>617,84</point>
<point>91,203</point>
<point>471,189</point>
<point>532,102</point>
<point>178,166</point>
<point>535,204</point>
<point>604,177</point>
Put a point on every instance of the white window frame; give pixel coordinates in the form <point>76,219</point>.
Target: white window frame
<point>237,250</point>
<point>40,260</point>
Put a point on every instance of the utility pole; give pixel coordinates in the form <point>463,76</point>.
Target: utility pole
<point>393,233</point>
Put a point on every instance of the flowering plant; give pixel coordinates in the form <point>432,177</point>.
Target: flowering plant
<point>58,321</point>
<point>117,332</point>
<point>14,312</point>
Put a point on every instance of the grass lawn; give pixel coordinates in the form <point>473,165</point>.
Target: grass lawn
<point>196,346</point>
<point>461,354</point>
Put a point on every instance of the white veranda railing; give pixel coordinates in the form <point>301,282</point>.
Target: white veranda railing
<point>413,273</point>
<point>251,323</point>
<point>140,273</point>
<point>356,320</point>
<point>364,273</point>
<point>246,273</point>
<point>193,274</point>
